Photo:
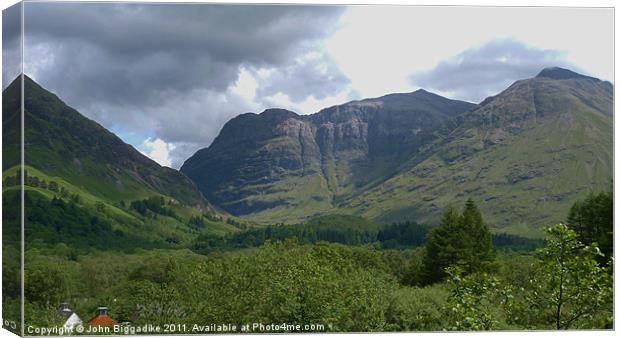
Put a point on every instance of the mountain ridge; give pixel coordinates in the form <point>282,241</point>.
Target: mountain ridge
<point>313,145</point>
<point>347,158</point>
<point>62,142</point>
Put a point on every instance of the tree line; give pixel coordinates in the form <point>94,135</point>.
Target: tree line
<point>343,229</point>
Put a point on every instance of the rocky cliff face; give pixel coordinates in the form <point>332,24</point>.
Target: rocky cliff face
<point>265,161</point>
<point>526,154</point>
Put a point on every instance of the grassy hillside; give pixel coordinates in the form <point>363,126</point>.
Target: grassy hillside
<point>526,157</point>
<point>61,142</point>
<point>145,230</point>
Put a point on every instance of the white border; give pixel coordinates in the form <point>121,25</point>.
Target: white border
<point>494,3</point>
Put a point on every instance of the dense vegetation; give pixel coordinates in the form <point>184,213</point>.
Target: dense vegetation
<point>344,229</point>
<point>593,221</point>
<point>154,206</point>
<point>461,240</point>
<point>344,287</point>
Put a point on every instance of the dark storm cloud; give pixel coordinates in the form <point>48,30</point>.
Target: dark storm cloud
<point>11,43</point>
<point>171,46</point>
<point>480,72</point>
<point>143,64</point>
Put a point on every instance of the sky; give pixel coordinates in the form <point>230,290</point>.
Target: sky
<point>166,77</point>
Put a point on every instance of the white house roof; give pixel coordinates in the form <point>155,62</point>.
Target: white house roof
<point>72,321</point>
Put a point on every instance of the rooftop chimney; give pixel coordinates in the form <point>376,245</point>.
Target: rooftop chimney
<point>102,310</point>
<point>63,309</point>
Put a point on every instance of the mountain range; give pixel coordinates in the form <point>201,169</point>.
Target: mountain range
<point>526,154</point>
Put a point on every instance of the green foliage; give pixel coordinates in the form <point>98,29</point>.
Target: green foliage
<point>461,239</point>
<point>593,221</point>
<point>100,206</point>
<point>418,309</point>
<point>516,269</point>
<point>333,228</point>
<point>515,243</point>
<point>568,287</point>
<point>157,303</point>
<point>472,301</point>
<point>405,234</point>
<point>56,221</point>
<point>345,288</point>
<point>154,204</point>
<point>197,221</point>
<point>42,316</point>
<point>45,284</point>
<point>341,287</point>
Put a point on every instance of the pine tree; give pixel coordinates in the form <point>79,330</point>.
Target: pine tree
<point>479,235</point>
<point>460,240</point>
<point>592,220</point>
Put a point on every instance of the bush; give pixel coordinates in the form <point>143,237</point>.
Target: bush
<point>418,309</point>
<point>334,285</point>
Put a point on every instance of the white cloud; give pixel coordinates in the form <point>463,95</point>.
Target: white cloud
<point>379,47</point>
<point>480,72</point>
<point>311,104</point>
<point>158,150</point>
<point>246,85</point>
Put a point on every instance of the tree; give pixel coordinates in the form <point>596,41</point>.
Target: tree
<point>75,198</point>
<point>99,206</point>
<point>568,287</point>
<point>463,240</point>
<point>158,303</point>
<point>480,236</point>
<point>53,186</point>
<point>45,284</point>
<point>472,299</point>
<point>64,193</point>
<point>593,221</point>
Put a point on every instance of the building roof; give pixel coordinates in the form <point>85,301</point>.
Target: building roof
<point>73,321</point>
<point>102,320</point>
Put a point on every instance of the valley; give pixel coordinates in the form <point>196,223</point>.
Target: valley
<point>334,217</point>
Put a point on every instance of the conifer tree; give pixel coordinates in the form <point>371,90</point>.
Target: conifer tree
<point>462,240</point>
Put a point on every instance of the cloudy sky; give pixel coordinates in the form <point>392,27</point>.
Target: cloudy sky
<point>166,77</point>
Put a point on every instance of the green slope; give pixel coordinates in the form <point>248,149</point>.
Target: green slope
<point>526,155</point>
<point>140,230</point>
<point>61,142</point>
<point>88,178</point>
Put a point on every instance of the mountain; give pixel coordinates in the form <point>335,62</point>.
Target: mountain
<point>86,188</point>
<point>280,166</point>
<point>525,154</point>
<point>61,142</point>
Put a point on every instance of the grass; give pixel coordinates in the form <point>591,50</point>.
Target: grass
<point>526,180</point>
<point>161,228</point>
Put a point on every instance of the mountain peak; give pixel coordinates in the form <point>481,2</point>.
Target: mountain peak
<point>557,73</point>
<point>90,152</point>
<point>277,113</point>
<point>17,81</point>
<point>421,91</point>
